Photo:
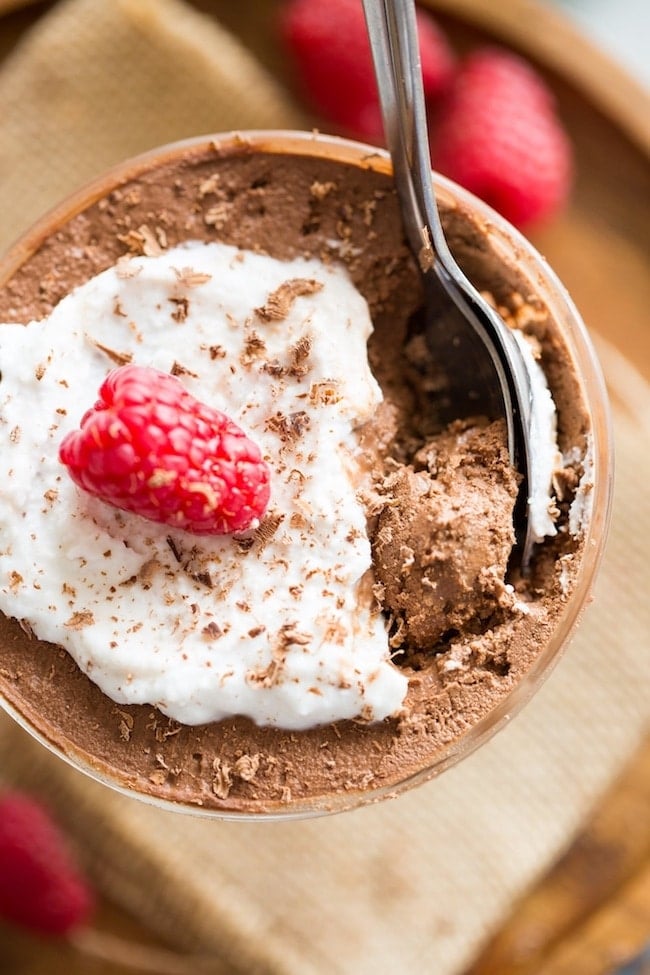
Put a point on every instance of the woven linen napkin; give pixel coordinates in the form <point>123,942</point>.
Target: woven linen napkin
<point>96,82</point>
<point>409,885</point>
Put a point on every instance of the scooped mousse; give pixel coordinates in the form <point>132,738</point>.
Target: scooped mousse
<point>362,621</point>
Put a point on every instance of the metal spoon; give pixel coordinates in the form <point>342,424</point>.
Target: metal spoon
<point>487,373</point>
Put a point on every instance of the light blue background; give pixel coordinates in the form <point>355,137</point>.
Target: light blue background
<point>621,28</point>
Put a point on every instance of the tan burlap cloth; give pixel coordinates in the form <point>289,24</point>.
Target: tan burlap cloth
<point>411,885</point>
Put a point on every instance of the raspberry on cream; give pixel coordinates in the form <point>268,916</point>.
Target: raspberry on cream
<point>275,624</point>
<point>150,447</point>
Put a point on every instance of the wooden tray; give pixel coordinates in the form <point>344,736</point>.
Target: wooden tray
<point>599,247</point>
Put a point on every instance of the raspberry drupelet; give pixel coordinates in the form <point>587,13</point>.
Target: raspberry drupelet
<point>149,447</point>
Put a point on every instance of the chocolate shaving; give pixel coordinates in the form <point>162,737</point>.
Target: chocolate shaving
<point>119,358</point>
<point>126,724</point>
<point>324,393</point>
<point>80,619</point>
<point>369,207</point>
<point>287,637</point>
<point>193,563</point>
<point>175,550</point>
<point>222,780</point>
<point>203,577</point>
<point>245,543</point>
<point>217,216</point>
<point>181,311</point>
<point>161,734</point>
<point>320,190</point>
<point>148,572</point>
<point>289,428</point>
<point>246,767</point>
<point>299,356</point>
<point>274,368</point>
<point>279,302</point>
<point>15,580</point>
<point>190,278</point>
<point>209,185</point>
<point>254,347</point>
<point>290,636</point>
<point>267,529</point>
<point>212,631</point>
<point>142,241</point>
<point>179,370</point>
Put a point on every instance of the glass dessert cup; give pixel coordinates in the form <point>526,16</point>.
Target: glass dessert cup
<point>506,246</point>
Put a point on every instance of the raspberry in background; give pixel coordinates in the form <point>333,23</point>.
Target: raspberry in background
<point>41,887</point>
<point>148,446</point>
<point>329,51</point>
<point>497,135</point>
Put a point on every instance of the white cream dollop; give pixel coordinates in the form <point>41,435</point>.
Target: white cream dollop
<point>545,455</point>
<point>278,626</point>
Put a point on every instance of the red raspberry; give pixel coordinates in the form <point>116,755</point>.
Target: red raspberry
<point>148,446</point>
<point>499,137</point>
<point>329,48</point>
<point>492,68</point>
<point>41,887</point>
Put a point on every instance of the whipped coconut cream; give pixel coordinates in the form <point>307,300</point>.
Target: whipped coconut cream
<point>581,507</point>
<point>546,457</point>
<point>278,624</point>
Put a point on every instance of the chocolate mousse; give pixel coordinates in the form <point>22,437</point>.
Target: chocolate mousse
<point>462,626</point>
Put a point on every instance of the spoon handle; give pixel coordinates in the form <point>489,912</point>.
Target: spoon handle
<point>392,31</point>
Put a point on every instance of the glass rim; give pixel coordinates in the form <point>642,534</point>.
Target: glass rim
<point>575,335</point>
